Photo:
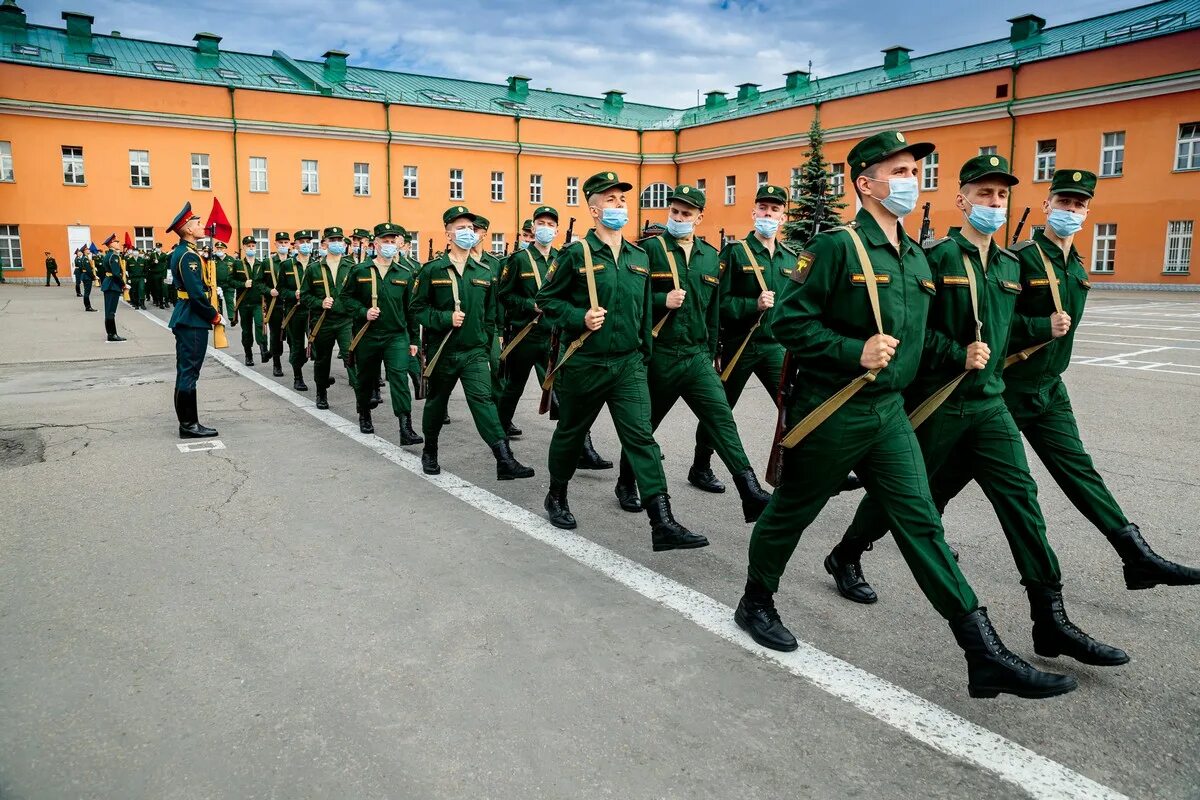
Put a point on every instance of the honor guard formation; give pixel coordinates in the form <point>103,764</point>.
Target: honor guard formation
<point>903,367</point>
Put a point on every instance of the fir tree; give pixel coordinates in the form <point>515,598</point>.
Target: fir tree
<point>813,206</point>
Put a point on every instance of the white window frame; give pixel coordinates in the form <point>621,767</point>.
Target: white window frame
<point>762,180</point>
<point>310,176</point>
<point>458,185</point>
<point>1179,234</point>
<point>572,191</point>
<point>201,172</point>
<point>730,189</point>
<point>1112,154</point>
<point>143,238</point>
<point>410,182</point>
<point>1187,147</point>
<point>7,174</point>
<point>702,184</point>
<point>362,179</point>
<point>655,195</point>
<point>535,189</point>
<point>414,247</point>
<point>1045,159</point>
<point>262,243</point>
<point>73,169</point>
<point>930,171</point>
<point>139,169</point>
<point>793,185</point>
<point>989,150</point>
<point>1104,248</point>
<point>498,244</point>
<point>258,174</point>
<point>497,186</point>
<point>837,179</point>
<point>10,247</point>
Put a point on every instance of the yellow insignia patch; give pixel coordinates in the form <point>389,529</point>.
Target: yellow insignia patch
<point>955,280</point>
<point>1012,286</point>
<point>657,275</point>
<point>713,279</point>
<point>803,266</point>
<point>1078,176</point>
<point>858,277</point>
<point>1039,282</point>
<point>439,282</point>
<point>995,162</point>
<point>899,136</point>
<point>639,269</point>
<point>397,282</point>
<point>478,282</point>
<point>928,284</point>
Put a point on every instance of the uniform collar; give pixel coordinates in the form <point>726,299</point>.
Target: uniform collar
<point>870,230</point>
<point>601,250</point>
<point>1053,251</point>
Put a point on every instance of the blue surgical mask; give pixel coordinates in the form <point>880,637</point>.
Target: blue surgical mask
<point>614,218</point>
<point>465,238</point>
<point>250,252</point>
<point>522,245</point>
<point>337,248</point>
<point>218,253</point>
<point>902,195</point>
<point>371,250</point>
<point>678,229</point>
<point>305,249</point>
<point>544,234</point>
<point>986,219</point>
<point>282,250</point>
<point>387,250</point>
<point>1064,223</point>
<point>766,227</point>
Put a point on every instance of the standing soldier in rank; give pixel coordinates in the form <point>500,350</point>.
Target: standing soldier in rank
<point>295,315</point>
<point>455,301</point>
<point>87,274</point>
<point>685,275</point>
<point>250,282</point>
<point>496,266</point>
<point>156,273</point>
<point>226,281</point>
<point>191,320</point>
<point>323,288</point>
<point>137,279</point>
<point>112,269</point>
<point>273,300</point>
<point>77,257</point>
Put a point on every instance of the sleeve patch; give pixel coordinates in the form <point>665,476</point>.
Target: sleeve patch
<point>803,266</point>
<point>859,278</point>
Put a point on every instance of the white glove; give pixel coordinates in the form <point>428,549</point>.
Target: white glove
<point>170,279</point>
<point>220,293</point>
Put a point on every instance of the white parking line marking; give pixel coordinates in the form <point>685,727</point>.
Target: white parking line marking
<point>200,447</point>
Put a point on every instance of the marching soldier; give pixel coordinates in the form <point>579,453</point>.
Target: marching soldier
<point>455,301</point>
<point>857,299</point>
<point>137,279</point>
<point>685,274</point>
<point>156,273</point>
<point>295,316</point>
<point>113,270</point>
<point>52,270</point>
<point>324,285</point>
<point>358,245</point>
<point>272,299</point>
<point>606,362</point>
<point>527,235</point>
<point>962,424</point>
<point>484,257</point>
<point>226,282</point>
<point>191,321</point>
<point>249,280</point>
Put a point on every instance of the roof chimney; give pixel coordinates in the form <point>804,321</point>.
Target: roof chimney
<point>207,43</point>
<point>797,80</point>
<point>78,25</point>
<point>518,86</point>
<point>11,16</point>
<point>747,92</point>
<point>1025,27</point>
<point>335,64</point>
<point>614,100</point>
<point>896,57</point>
<point>714,98</point>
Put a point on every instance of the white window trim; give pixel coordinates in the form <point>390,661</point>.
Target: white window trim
<point>730,190</point>
<point>1096,239</point>
<point>1104,149</point>
<point>82,166</point>
<point>204,169</point>
<point>1038,155</point>
<point>1187,265</point>
<point>572,186</point>
<point>931,172</point>
<point>149,184</point>
<point>461,181</point>
<point>266,183</point>
<point>416,182</point>
<point>12,166</point>
<point>316,175</point>
<point>366,175</point>
<point>498,182</point>
<point>1195,148</point>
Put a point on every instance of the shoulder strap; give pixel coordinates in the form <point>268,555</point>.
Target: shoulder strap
<point>864,263</point>
<point>589,274</point>
<point>670,260</point>
<point>537,278</point>
<point>1050,276</point>
<point>762,284</point>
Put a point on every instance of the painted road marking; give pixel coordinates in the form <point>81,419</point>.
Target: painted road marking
<point>200,447</point>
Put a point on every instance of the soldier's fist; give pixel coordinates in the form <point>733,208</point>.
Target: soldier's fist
<point>274,293</point>
<point>594,318</point>
<point>766,300</point>
<point>1060,323</point>
<point>456,319</point>
<point>249,284</point>
<point>372,314</point>
<point>878,351</point>
<point>978,354</point>
<point>675,298</point>
<point>327,302</point>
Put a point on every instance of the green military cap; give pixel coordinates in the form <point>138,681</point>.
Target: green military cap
<point>405,232</point>
<point>602,182</point>
<point>987,166</point>
<point>771,193</point>
<point>332,232</point>
<point>482,222</point>
<point>388,229</point>
<point>688,194</point>
<point>282,236</point>
<point>360,233</point>
<point>1073,181</point>
<point>876,148</point>
<point>545,211</point>
<point>249,240</point>
<point>527,225</point>
<point>454,212</point>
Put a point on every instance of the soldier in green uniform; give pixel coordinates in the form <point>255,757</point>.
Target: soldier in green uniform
<point>481,254</point>
<point>273,300</point>
<point>455,301</point>
<point>295,315</point>
<point>413,372</point>
<point>156,273</point>
<point>136,271</point>
<point>112,269</point>
<point>249,285</point>
<point>963,425</point>
<point>226,282</point>
<point>76,257</point>
<point>85,274</point>
<point>528,236</point>
<point>52,270</point>
<point>857,300</point>
<point>685,276</point>
<point>324,284</point>
<point>191,320</point>
<point>598,292</point>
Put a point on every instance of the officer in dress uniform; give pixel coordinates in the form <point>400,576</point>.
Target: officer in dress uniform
<point>113,284</point>
<point>191,320</point>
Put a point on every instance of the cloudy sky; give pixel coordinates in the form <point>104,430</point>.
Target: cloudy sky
<point>658,52</point>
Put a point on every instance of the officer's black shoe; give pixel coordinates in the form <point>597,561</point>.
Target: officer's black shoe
<point>850,484</point>
<point>249,358</point>
<point>627,494</point>
<point>701,475</point>
<point>194,430</point>
<point>407,434</point>
<point>512,431</point>
<point>557,508</point>
<point>375,398</point>
<point>1055,635</point>
<point>263,355</point>
<point>88,308</point>
<point>322,399</point>
<point>665,532</point>
<point>276,367</point>
<point>365,425</point>
<point>754,499</point>
<point>507,466</point>
<point>756,615</point>
<point>993,669</point>
<point>848,577</point>
<point>1145,568</point>
<point>429,462</point>
<point>589,458</point>
<point>110,325</point>
<point>189,426</point>
<point>298,382</point>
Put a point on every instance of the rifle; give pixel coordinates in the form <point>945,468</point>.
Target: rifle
<point>1020,224</point>
<point>925,230</point>
<point>422,386</point>
<point>722,232</point>
<point>430,249</point>
<point>546,403</point>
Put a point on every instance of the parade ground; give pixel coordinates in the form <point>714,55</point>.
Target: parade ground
<point>293,610</point>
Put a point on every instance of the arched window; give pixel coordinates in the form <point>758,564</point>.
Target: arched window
<point>655,195</point>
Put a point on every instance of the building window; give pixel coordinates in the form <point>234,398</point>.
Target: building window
<point>837,179</point>
<point>1187,149</point>
<point>414,247</point>
<point>655,195</point>
<point>1104,248</point>
<point>143,238</point>
<point>262,242</point>
<point>498,244</point>
<point>989,150</point>
<point>762,180</point>
<point>1179,247</point>
<point>702,184</point>
<point>456,184</point>
<point>258,174</point>
<point>310,177</point>
<point>929,172</point>
<point>1047,155</point>
<point>6,163</point>
<point>10,247</point>
<point>535,189</point>
<point>139,168</point>
<point>730,189</point>
<point>497,187</point>
<point>1112,154</point>
<point>201,176</point>
<point>572,191</point>
<point>72,160</point>
<point>362,179</point>
<point>795,184</point>
<point>410,181</point>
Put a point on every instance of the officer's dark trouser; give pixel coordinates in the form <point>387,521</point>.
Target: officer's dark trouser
<point>763,360</point>
<point>689,374</point>
<point>252,314</point>
<point>389,351</point>
<point>111,298</point>
<point>54,275</point>
<point>529,355</point>
<point>873,437</point>
<point>297,337</point>
<point>471,368</point>
<point>322,348</point>
<point>78,285</point>
<point>984,445</point>
<point>137,291</point>
<point>87,294</point>
<point>584,386</point>
<point>190,346</point>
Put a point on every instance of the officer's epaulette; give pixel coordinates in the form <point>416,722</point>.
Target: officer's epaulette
<point>1019,246</point>
<point>929,244</point>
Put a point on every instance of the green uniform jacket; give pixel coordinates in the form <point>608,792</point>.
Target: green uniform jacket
<point>739,287</point>
<point>951,325</point>
<point>622,289</point>
<point>496,265</point>
<point>291,278</point>
<point>187,267</point>
<point>433,303</point>
<point>82,270</point>
<point>136,268</point>
<point>824,319</point>
<point>110,269</point>
<point>696,323</point>
<point>393,291</point>
<point>321,279</point>
<point>272,272</point>
<point>225,277</point>
<point>518,287</point>
<point>1032,323</point>
<point>158,266</point>
<point>256,273</point>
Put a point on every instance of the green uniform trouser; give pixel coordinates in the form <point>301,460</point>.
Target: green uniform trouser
<point>873,437</point>
<point>251,321</point>
<point>275,326</point>
<point>297,337</point>
<point>583,388</point>
<point>156,289</point>
<point>322,348</point>
<point>231,301</point>
<point>761,359</point>
<point>986,446</point>
<point>494,366</point>
<point>137,291</point>
<point>389,350</point>
<point>689,374</point>
<point>530,355</point>
<point>471,368</point>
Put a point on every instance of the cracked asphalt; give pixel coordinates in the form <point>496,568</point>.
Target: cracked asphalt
<point>293,616</point>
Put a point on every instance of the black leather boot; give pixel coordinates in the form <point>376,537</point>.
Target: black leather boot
<point>322,399</point>
<point>1145,568</point>
<point>626,488</point>
<point>507,466</point>
<point>276,367</point>
<point>365,425</point>
<point>993,669</point>
<point>665,532</point>
<point>189,426</point>
<point>701,475</point>
<point>589,458</point>
<point>298,380</point>
<point>847,574</point>
<point>512,431</point>
<point>263,355</point>
<point>429,459</point>
<point>1055,635</point>
<point>407,434</point>
<point>754,499</point>
<point>249,357</point>
<point>557,508</point>
<point>756,615</point>
<point>110,325</point>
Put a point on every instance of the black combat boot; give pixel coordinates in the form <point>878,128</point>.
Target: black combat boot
<point>701,475</point>
<point>756,615</point>
<point>276,367</point>
<point>1055,635</point>
<point>249,357</point>
<point>375,398</point>
<point>993,669</point>
<point>589,458</point>
<point>322,399</point>
<point>1145,568</point>
<point>110,325</point>
<point>429,459</point>
<point>512,431</point>
<point>189,425</point>
<point>843,564</point>
<point>407,434</point>
<point>754,499</point>
<point>557,508</point>
<point>626,488</point>
<point>665,532</point>
<point>507,466</point>
<point>298,380</point>
<point>263,355</point>
<point>365,425</point>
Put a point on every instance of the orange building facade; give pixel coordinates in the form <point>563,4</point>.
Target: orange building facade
<point>93,141</point>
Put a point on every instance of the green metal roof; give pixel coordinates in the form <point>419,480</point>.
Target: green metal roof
<point>53,47</point>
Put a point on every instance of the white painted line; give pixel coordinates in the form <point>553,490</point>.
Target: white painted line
<point>200,447</point>
<point>915,716</point>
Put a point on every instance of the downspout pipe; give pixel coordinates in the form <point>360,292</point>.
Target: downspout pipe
<point>387,121</point>
<point>1012,144</point>
<point>517,236</point>
<point>638,188</point>
<point>237,190</point>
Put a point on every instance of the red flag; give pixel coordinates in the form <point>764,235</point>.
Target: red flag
<point>218,226</point>
<point>128,241</point>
